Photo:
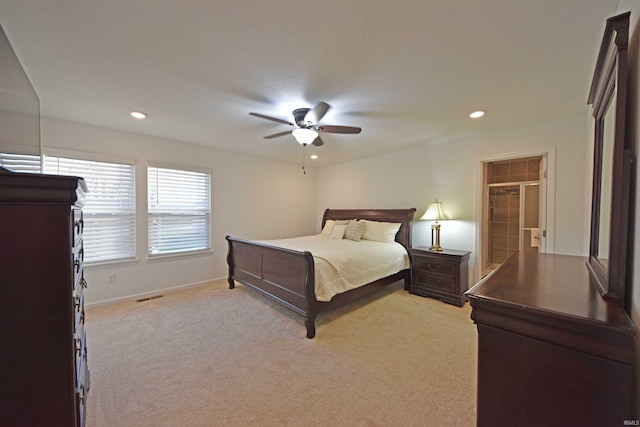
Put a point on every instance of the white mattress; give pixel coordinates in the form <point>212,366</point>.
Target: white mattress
<point>341,265</point>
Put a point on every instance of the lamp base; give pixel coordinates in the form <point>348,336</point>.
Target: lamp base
<point>435,232</point>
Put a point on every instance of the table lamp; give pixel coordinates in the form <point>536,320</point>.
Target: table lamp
<point>436,212</point>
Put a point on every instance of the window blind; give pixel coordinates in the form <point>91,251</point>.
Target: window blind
<point>109,211</point>
<point>179,206</point>
<point>20,162</point>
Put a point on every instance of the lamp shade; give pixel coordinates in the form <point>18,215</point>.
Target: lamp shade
<point>305,136</point>
<point>436,212</point>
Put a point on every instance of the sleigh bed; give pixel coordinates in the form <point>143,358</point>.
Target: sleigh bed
<point>288,276</point>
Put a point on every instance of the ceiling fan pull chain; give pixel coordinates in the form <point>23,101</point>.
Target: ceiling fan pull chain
<point>304,158</point>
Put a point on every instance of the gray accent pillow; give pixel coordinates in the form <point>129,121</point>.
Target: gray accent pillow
<point>354,230</point>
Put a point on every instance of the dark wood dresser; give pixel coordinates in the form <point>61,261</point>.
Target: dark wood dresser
<point>443,274</point>
<point>44,378</point>
<point>551,350</point>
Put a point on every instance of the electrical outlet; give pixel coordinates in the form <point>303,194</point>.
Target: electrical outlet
<point>111,278</point>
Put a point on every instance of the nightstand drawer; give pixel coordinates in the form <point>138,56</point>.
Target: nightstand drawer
<point>433,266</point>
<point>431,281</point>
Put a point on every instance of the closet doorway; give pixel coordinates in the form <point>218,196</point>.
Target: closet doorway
<point>514,207</point>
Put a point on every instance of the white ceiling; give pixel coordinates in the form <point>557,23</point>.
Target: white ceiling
<point>407,72</point>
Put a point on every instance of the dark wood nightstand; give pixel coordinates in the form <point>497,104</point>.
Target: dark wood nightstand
<point>443,275</point>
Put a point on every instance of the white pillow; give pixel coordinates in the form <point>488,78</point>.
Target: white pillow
<point>330,223</point>
<point>338,231</point>
<point>328,227</point>
<point>381,231</point>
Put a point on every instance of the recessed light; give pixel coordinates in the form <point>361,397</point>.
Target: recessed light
<point>476,114</point>
<point>314,156</point>
<point>138,115</point>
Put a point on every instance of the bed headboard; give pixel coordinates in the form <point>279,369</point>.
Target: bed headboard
<point>403,216</point>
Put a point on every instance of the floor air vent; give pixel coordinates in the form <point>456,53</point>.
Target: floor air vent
<point>150,298</point>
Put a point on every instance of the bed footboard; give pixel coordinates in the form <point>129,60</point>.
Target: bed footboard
<point>283,275</point>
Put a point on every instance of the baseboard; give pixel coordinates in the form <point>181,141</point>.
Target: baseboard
<point>154,293</point>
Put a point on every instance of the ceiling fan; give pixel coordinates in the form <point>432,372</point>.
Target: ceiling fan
<point>306,128</point>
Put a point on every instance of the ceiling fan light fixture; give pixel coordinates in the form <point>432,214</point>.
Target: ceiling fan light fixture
<point>304,136</point>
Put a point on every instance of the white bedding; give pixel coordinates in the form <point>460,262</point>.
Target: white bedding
<point>341,265</point>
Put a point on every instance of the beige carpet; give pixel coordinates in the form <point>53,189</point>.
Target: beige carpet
<point>212,356</point>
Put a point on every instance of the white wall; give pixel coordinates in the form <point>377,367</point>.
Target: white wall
<point>252,198</point>
<point>261,199</point>
<point>449,170</point>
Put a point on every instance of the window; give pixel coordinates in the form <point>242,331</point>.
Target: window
<point>109,210</point>
<point>20,162</point>
<point>179,203</point>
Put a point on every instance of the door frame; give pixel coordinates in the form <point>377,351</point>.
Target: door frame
<point>481,202</point>
<point>523,200</point>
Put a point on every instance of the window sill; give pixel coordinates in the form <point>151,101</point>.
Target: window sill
<point>110,263</point>
<point>161,257</point>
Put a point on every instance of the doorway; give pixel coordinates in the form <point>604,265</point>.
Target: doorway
<point>514,206</point>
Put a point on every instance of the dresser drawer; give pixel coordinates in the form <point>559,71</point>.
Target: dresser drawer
<point>78,267</point>
<point>82,389</point>
<point>81,356</point>
<point>432,281</point>
<point>432,266</point>
<point>78,315</point>
<point>77,220</point>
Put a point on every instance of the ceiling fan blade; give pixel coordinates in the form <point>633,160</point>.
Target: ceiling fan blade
<point>317,113</point>
<point>318,142</point>
<point>273,119</point>
<point>338,129</point>
<point>276,135</point>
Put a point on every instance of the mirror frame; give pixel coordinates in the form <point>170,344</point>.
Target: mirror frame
<point>610,82</point>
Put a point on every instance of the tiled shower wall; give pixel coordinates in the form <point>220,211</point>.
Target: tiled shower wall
<point>504,205</point>
<point>514,171</point>
<point>504,223</point>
